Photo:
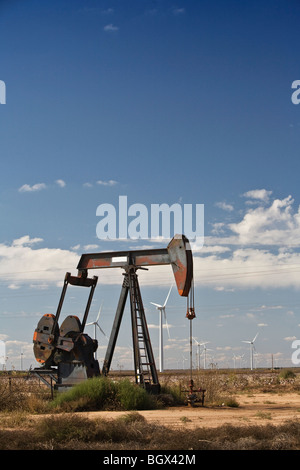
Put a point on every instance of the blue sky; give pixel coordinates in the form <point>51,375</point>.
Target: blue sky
<point>163,102</point>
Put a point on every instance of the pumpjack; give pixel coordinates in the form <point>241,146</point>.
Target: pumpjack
<point>71,352</point>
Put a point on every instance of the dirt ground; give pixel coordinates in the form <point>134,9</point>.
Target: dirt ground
<point>258,408</point>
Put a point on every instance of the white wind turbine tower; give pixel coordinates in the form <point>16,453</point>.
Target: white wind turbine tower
<point>96,324</point>
<point>183,359</point>
<point>198,350</point>
<point>204,350</point>
<point>162,312</point>
<point>251,349</point>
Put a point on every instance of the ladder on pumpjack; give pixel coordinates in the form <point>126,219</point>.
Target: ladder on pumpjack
<point>146,374</point>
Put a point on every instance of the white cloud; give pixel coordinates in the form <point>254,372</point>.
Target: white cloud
<point>60,183</point>
<point>91,247</point>
<point>23,264</point>
<point>214,249</point>
<point>178,11</point>
<point>250,255</point>
<point>26,240</point>
<point>248,268</point>
<point>218,228</point>
<point>110,28</point>
<point>225,206</point>
<point>36,187</point>
<point>273,225</point>
<point>75,247</point>
<point>107,183</point>
<point>20,263</point>
<point>260,194</point>
<point>13,286</point>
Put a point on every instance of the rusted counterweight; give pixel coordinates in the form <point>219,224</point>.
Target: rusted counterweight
<point>67,347</point>
<point>69,343</point>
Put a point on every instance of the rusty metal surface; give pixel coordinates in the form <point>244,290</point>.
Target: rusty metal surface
<point>43,350</point>
<point>178,254</point>
<point>70,324</point>
<point>119,259</point>
<point>181,260</point>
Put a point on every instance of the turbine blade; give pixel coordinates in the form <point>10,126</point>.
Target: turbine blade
<point>167,324</point>
<point>255,337</point>
<point>168,296</point>
<point>99,312</point>
<point>156,305</point>
<point>92,323</point>
<point>101,330</point>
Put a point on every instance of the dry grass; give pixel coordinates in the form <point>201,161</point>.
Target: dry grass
<point>19,430</point>
<point>74,432</point>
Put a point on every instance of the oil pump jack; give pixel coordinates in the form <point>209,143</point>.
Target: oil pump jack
<point>72,351</point>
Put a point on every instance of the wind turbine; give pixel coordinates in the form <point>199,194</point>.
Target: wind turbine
<point>95,323</point>
<point>205,349</point>
<point>162,312</point>
<point>251,349</point>
<point>198,350</point>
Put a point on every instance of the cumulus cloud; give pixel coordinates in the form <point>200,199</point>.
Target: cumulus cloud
<point>61,183</point>
<point>110,28</point>
<point>107,183</point>
<point>91,247</point>
<point>36,187</point>
<point>21,263</point>
<point>260,194</point>
<point>276,224</point>
<point>262,247</point>
<point>225,206</point>
<point>259,250</point>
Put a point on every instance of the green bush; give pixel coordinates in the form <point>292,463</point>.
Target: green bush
<point>287,374</point>
<point>93,394</point>
<point>134,397</point>
<point>101,393</point>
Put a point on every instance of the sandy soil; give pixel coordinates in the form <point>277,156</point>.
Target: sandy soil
<point>256,409</point>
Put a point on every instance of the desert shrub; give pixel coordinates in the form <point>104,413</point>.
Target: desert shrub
<point>101,393</point>
<point>132,417</point>
<point>17,396</point>
<point>287,374</point>
<point>97,393</point>
<point>134,397</point>
<point>232,402</point>
<point>170,395</point>
<point>66,427</point>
